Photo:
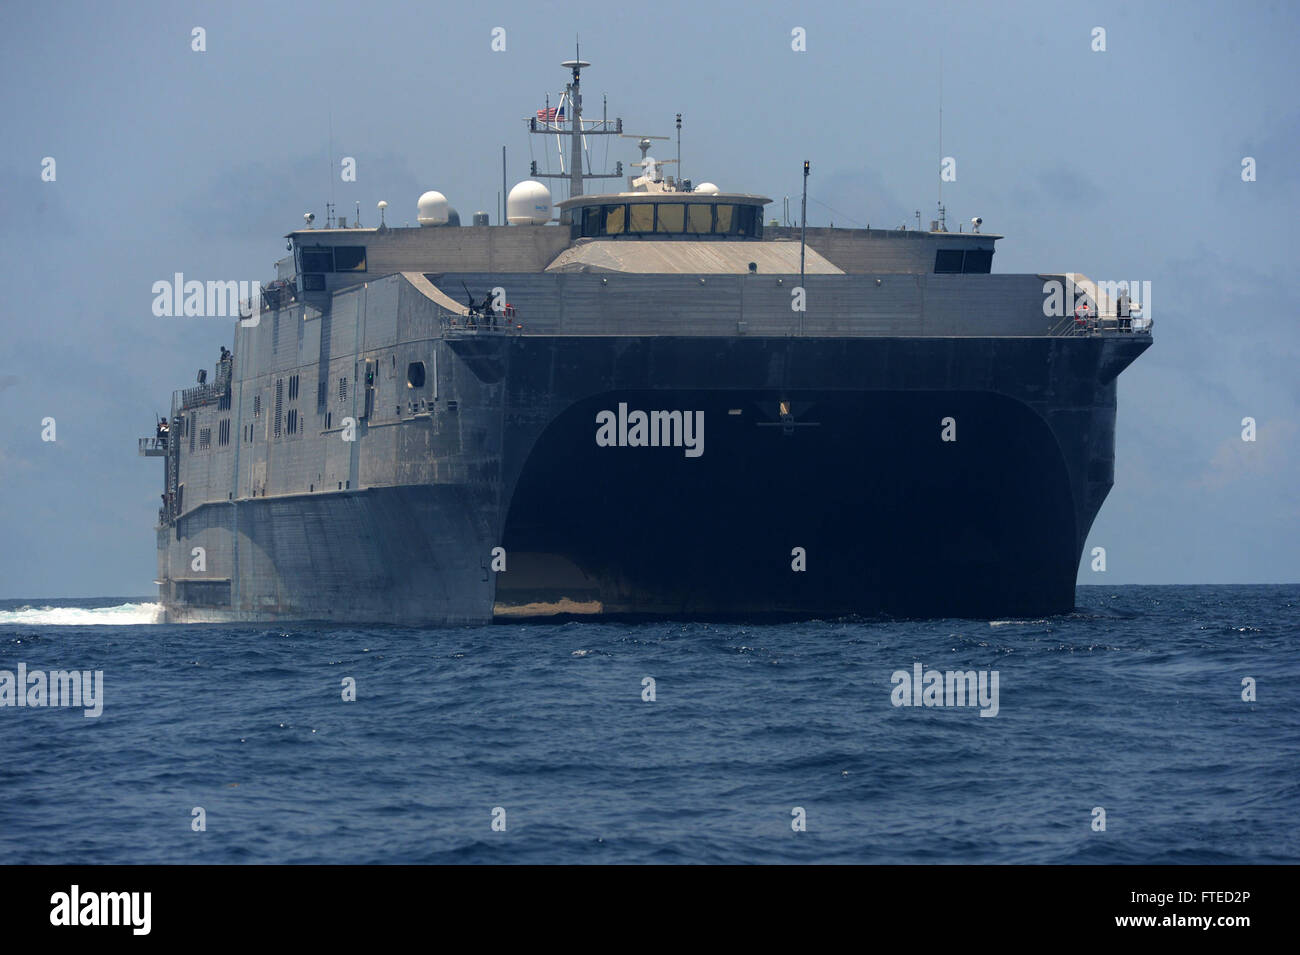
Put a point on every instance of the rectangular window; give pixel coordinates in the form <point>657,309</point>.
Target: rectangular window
<point>672,217</point>
<point>699,218</point>
<point>591,221</point>
<point>317,260</point>
<point>641,217</point>
<point>313,282</point>
<point>726,218</point>
<point>747,220</point>
<point>948,261</point>
<point>349,258</point>
<point>978,261</point>
<point>615,220</point>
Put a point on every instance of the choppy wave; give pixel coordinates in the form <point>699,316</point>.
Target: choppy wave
<point>1134,703</point>
<point>121,615</point>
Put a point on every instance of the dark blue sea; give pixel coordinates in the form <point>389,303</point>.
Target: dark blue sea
<point>1132,705</point>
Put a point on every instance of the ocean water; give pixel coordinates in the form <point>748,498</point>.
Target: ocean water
<point>1132,704</point>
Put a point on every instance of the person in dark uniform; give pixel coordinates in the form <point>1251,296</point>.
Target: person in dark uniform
<point>1123,312</point>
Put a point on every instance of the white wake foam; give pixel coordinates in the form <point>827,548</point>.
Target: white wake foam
<point>123,614</point>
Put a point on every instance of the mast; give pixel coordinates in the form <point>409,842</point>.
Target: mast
<point>575,140</point>
<point>578,130</point>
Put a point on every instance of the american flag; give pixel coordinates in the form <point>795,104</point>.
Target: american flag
<point>553,114</point>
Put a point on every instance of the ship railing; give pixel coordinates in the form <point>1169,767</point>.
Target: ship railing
<point>279,294</point>
<point>1084,326</point>
<point>153,447</point>
<point>201,395</point>
<point>212,392</point>
<point>467,325</point>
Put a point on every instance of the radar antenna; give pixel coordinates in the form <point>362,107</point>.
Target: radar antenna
<point>648,163</point>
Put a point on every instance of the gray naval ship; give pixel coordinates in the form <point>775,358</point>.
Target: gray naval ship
<point>653,404</point>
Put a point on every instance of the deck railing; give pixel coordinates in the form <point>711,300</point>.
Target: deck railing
<point>1086,325</point>
<point>495,324</point>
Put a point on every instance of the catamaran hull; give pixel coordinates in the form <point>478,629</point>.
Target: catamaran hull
<point>953,477</point>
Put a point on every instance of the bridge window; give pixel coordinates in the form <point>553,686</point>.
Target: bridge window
<point>699,218</point>
<point>948,261</point>
<point>968,261</point>
<point>336,258</point>
<point>667,218</point>
<point>615,220</point>
<point>747,220</point>
<point>317,260</point>
<point>672,217</point>
<point>349,258</point>
<point>641,217</point>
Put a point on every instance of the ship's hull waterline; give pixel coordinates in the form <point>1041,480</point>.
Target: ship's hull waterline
<point>924,477</point>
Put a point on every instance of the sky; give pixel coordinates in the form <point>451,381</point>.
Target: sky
<point>1122,163</point>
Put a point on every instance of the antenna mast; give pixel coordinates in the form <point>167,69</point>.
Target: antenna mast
<point>578,130</point>
<point>803,242</point>
<point>942,226</point>
<point>679,146</point>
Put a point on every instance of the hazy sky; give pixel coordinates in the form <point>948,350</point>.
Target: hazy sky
<point>1123,164</point>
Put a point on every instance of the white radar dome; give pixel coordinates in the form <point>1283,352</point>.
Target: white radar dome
<point>433,209</point>
<point>708,189</point>
<point>529,203</point>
